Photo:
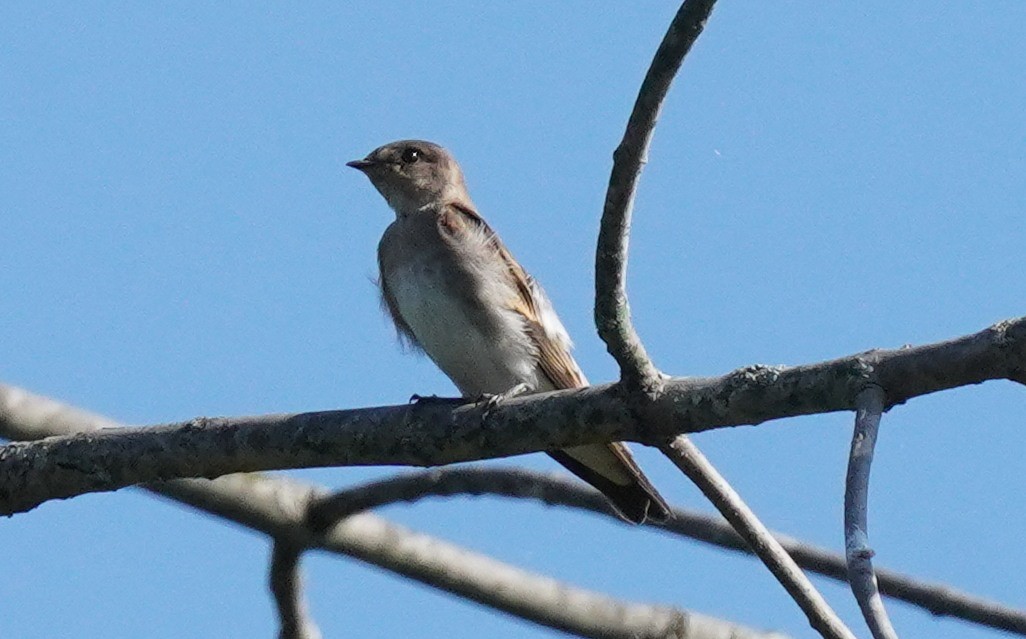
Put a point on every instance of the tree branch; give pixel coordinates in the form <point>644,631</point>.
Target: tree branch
<point>286,584</point>
<point>27,416</point>
<point>612,312</point>
<point>278,507</point>
<point>560,490</point>
<point>428,435</point>
<point>682,452</point>
<point>639,376</point>
<point>856,506</point>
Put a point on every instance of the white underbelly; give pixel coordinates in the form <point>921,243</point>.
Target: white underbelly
<point>489,355</point>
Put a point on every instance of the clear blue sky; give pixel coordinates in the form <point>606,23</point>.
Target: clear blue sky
<point>181,238</point>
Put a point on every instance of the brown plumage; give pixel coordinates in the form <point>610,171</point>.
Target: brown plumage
<point>455,292</point>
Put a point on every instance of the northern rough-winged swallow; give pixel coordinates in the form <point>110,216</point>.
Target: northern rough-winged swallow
<point>455,292</point>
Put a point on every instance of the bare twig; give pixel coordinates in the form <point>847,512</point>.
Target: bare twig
<point>286,584</point>
<point>278,507</point>
<point>859,555</point>
<point>693,463</point>
<point>33,472</point>
<point>639,376</point>
<point>612,312</point>
<point>560,490</point>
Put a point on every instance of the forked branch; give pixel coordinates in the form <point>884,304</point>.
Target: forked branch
<point>612,312</point>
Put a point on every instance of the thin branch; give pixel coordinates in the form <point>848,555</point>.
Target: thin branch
<point>278,507</point>
<point>549,488</point>
<point>429,435</point>
<point>286,585</point>
<point>560,490</point>
<point>682,452</point>
<point>641,379</point>
<point>856,507</point>
<point>612,312</point>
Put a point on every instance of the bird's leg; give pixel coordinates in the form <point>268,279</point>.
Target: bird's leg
<point>489,401</point>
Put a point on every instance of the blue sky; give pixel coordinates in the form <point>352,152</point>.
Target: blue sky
<point>182,238</point>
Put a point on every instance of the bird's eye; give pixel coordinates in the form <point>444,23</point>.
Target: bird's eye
<point>411,155</point>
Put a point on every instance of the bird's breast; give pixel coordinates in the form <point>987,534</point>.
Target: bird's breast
<point>459,318</point>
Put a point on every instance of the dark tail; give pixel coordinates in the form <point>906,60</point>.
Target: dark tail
<point>612,470</point>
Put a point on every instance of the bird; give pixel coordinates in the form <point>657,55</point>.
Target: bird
<point>455,292</point>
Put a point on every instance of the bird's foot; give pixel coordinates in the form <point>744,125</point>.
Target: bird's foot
<point>489,401</point>
<point>427,400</point>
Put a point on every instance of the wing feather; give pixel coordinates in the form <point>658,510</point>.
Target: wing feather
<point>609,467</point>
<point>388,302</point>
<point>543,325</point>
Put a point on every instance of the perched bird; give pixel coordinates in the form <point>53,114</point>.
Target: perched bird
<point>455,292</point>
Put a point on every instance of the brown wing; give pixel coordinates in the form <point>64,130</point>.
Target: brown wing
<point>553,358</point>
<point>608,467</point>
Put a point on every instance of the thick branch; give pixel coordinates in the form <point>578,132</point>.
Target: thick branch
<point>856,508</point>
<point>27,416</point>
<point>682,452</point>
<point>612,313</point>
<point>428,435</point>
<point>278,507</point>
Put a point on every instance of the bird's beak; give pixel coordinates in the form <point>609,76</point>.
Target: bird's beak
<point>361,165</point>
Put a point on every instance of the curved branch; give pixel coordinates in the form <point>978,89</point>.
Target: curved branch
<point>856,506</point>
<point>286,584</point>
<point>278,507</point>
<point>682,452</point>
<point>560,490</point>
<point>638,374</point>
<point>429,435</point>
<point>612,313</point>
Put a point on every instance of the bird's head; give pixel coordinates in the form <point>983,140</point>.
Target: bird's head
<point>413,174</point>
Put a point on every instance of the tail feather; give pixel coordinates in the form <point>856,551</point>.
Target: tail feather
<point>618,478</point>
